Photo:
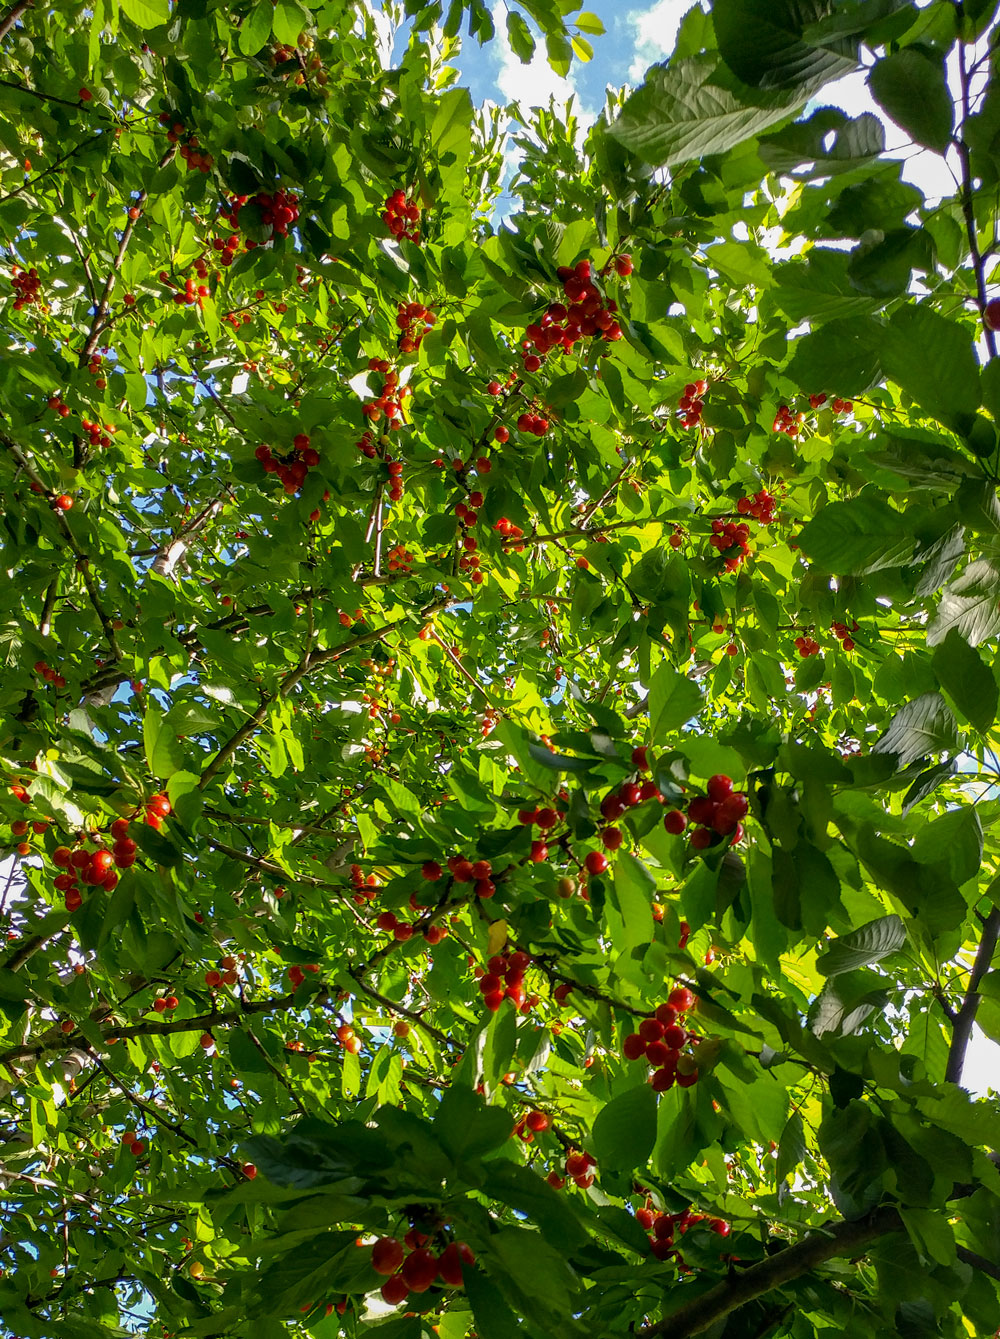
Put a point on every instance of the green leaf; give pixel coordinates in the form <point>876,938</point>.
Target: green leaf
<point>528,1193</point>
<point>791,1148</point>
<point>632,890</point>
<point>519,36</point>
<point>965,678</point>
<point>163,753</point>
<point>863,535</point>
<point>588,22</point>
<point>467,1127</point>
<point>871,943</point>
<point>146,13</point>
<point>970,605</point>
<point>625,1130</point>
<point>674,700</point>
<point>693,107</point>
<point>256,28</point>
<point>288,19</point>
<point>910,86</point>
<point>917,338</point>
<point>762,43</point>
<point>498,1048</point>
<point>817,288</point>
<point>920,727</point>
<point>844,356</point>
<point>955,841</point>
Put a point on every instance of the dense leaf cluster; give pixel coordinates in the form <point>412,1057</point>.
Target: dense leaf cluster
<point>496,717</point>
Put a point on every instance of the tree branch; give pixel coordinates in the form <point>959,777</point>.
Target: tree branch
<point>203,1023</point>
<point>978,1262</point>
<point>966,1015</point>
<point>698,1315</point>
<point>12,16</point>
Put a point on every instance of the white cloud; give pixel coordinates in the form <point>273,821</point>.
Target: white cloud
<point>533,84</point>
<point>923,168</point>
<point>654,32</point>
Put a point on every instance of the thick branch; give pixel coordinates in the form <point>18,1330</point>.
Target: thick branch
<point>12,16</point>
<point>966,1016</point>
<point>698,1315</point>
<point>978,1262</point>
<point>203,1023</point>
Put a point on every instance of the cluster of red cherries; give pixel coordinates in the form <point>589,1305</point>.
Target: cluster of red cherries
<point>413,320</point>
<point>508,530</point>
<point>660,1040</point>
<point>714,816</point>
<point>414,1269</point>
<point>293,467</point>
<point>399,213</point>
<point>807,646</point>
<point>730,538</point>
<point>579,1170</point>
<point>587,314</point>
<point>27,287</point>
<point>400,559</point>
<point>49,674</point>
<point>463,870</point>
<point>761,506</point>
<point>387,400</point>
<point>98,434</point>
<point>100,867</point>
<point>504,980</point>
<point>838,405</point>
<point>278,211</point>
<point>190,150</point>
<point>843,634</point>
<point>787,422</point>
<point>530,1124</point>
<point>690,406</point>
<point>664,1227</point>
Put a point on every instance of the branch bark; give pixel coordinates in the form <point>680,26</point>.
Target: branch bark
<point>966,1015</point>
<point>698,1315</point>
<point>12,16</point>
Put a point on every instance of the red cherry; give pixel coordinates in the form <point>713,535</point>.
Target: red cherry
<point>612,838</point>
<point>420,1269</point>
<point>991,314</point>
<point>387,1255</point>
<point>395,1290</point>
<point>681,999</point>
<point>674,822</point>
<point>719,787</point>
<point>595,862</point>
<point>633,1047</point>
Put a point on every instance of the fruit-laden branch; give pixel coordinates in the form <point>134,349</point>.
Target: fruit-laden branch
<point>152,1028</point>
<point>312,662</point>
<point>47,171</point>
<point>698,1315</point>
<point>82,561</point>
<point>966,1015</point>
<point>172,552</point>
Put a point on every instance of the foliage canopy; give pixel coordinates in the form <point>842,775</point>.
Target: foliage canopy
<point>497,716</point>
